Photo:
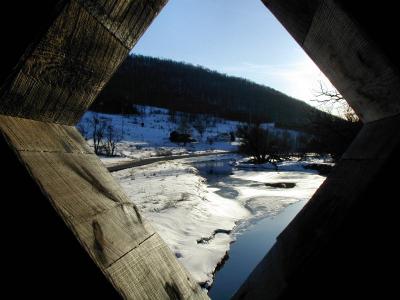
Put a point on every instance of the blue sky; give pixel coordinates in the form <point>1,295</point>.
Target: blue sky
<point>236,37</point>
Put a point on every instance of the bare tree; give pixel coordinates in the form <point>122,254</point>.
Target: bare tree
<point>254,142</point>
<point>331,134</point>
<point>111,140</point>
<point>98,129</point>
<point>330,99</point>
<point>264,145</point>
<point>200,125</point>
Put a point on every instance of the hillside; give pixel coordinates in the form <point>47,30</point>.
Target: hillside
<point>198,205</point>
<point>183,87</point>
<point>147,135</point>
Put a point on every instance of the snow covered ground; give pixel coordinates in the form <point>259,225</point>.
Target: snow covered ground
<point>199,219</point>
<point>147,135</point>
<point>199,213</point>
<point>175,199</point>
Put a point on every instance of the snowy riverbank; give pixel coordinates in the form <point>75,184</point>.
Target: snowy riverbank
<point>199,219</point>
<point>198,213</point>
<point>147,135</point>
<point>176,200</point>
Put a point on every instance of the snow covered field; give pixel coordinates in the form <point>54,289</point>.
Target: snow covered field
<point>199,213</point>
<point>175,199</point>
<point>147,135</point>
<point>199,219</point>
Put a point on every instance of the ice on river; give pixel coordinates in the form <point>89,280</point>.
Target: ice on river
<point>196,218</point>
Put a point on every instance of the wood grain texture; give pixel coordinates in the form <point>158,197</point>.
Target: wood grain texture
<point>64,266</point>
<point>76,57</point>
<point>376,140</point>
<point>296,16</point>
<point>353,63</point>
<point>126,19</point>
<point>106,223</point>
<point>22,29</point>
<point>43,137</point>
<point>141,274</point>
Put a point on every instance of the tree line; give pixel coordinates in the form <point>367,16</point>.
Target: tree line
<point>182,87</point>
<point>194,89</point>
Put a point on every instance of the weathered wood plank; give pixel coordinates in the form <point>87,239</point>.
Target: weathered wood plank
<point>125,19</point>
<point>66,70</point>
<point>353,63</point>
<point>42,137</point>
<point>295,15</point>
<point>106,223</point>
<point>110,235</point>
<point>69,66</point>
<point>376,140</point>
<point>306,237</point>
<point>81,177</point>
<point>346,201</point>
<point>138,273</point>
<point>35,239</point>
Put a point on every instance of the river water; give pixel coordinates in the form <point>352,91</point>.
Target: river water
<point>255,236</point>
<point>248,250</point>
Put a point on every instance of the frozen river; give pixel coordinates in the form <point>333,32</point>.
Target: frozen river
<point>255,235</point>
<point>199,206</point>
<point>248,250</point>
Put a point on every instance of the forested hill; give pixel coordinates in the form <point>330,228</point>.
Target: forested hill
<point>184,87</point>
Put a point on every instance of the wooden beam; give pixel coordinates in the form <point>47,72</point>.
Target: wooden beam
<point>321,250</point>
<point>107,224</point>
<point>351,60</point>
<point>59,79</point>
